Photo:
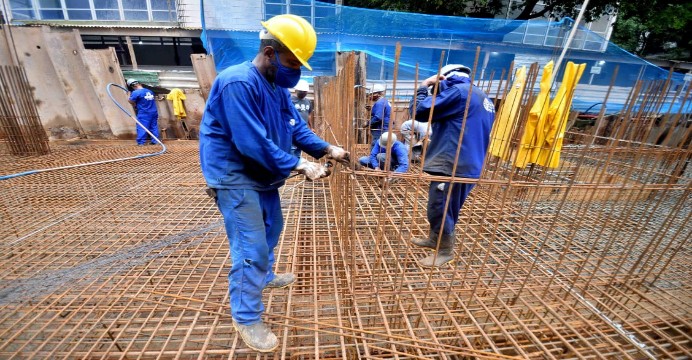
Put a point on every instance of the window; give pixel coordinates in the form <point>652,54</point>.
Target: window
<point>108,10</point>
<point>135,10</point>
<point>22,9</point>
<point>272,10</point>
<point>149,50</point>
<point>51,9</point>
<point>78,9</point>
<point>306,9</point>
<point>163,10</point>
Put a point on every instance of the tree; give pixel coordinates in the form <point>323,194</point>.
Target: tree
<point>524,10</point>
<point>655,28</point>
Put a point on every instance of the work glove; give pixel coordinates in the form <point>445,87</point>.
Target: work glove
<point>311,170</point>
<point>339,154</point>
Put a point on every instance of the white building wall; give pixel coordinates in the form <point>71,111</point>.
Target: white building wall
<point>243,15</point>
<point>189,14</point>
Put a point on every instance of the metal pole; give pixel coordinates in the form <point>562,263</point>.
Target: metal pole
<point>570,38</point>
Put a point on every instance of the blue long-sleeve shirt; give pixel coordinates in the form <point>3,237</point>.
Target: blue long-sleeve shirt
<point>447,121</point>
<point>399,156</point>
<point>247,130</point>
<point>380,114</point>
<point>145,102</point>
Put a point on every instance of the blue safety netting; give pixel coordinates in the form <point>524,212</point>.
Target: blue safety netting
<point>423,39</point>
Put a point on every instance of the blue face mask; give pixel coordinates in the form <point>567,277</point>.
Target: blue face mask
<point>286,77</point>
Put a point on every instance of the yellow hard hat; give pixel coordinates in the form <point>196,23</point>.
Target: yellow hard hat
<point>295,33</point>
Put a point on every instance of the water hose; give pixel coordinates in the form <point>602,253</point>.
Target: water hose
<point>108,89</point>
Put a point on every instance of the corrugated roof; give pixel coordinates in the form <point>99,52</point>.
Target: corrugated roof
<point>101,24</point>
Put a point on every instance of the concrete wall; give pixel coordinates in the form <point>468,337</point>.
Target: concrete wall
<point>69,87</point>
<point>65,50</point>
<point>103,68</point>
<point>170,127</point>
<point>52,103</point>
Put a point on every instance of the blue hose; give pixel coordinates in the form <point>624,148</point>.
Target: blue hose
<point>108,89</point>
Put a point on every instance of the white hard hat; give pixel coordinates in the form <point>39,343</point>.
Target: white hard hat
<point>131,81</point>
<point>384,137</point>
<point>376,88</point>
<point>302,86</point>
<point>455,69</point>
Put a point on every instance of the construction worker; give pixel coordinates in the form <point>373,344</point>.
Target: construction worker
<point>245,141</point>
<point>377,158</point>
<point>145,105</point>
<point>303,106</point>
<point>455,91</point>
<point>414,132</point>
<point>379,113</point>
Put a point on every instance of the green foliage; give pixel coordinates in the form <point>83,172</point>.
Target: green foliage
<point>523,10</point>
<point>655,28</point>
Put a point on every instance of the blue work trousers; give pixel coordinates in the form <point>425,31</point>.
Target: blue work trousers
<point>151,123</point>
<point>381,160</point>
<point>376,134</point>
<point>253,222</point>
<point>437,195</point>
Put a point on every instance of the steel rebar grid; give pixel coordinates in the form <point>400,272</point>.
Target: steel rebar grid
<point>130,260</point>
<point>556,245</point>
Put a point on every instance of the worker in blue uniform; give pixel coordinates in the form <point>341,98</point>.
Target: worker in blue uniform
<point>145,103</point>
<point>455,93</point>
<point>246,134</point>
<point>379,113</point>
<point>377,158</point>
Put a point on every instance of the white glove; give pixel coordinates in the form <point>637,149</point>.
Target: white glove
<point>311,170</point>
<point>338,154</point>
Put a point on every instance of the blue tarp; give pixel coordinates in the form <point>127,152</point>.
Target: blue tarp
<point>423,39</point>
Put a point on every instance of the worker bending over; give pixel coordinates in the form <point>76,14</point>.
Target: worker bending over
<point>246,133</point>
<point>414,133</point>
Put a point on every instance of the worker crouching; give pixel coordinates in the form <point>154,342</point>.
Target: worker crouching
<point>378,156</point>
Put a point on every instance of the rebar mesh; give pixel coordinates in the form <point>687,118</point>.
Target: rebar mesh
<point>130,259</point>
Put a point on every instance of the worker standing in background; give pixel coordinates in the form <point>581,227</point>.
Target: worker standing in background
<point>145,104</point>
<point>379,114</point>
<point>377,158</point>
<point>454,92</point>
<point>303,106</point>
<point>245,141</point>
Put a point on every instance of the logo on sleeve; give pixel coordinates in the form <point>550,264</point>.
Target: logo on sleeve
<point>292,122</point>
<point>488,105</point>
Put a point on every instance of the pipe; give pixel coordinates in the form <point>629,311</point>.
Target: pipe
<point>108,89</point>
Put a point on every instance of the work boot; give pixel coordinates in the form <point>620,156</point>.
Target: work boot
<point>281,280</point>
<point>257,336</point>
<point>444,255</point>
<point>430,242</point>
